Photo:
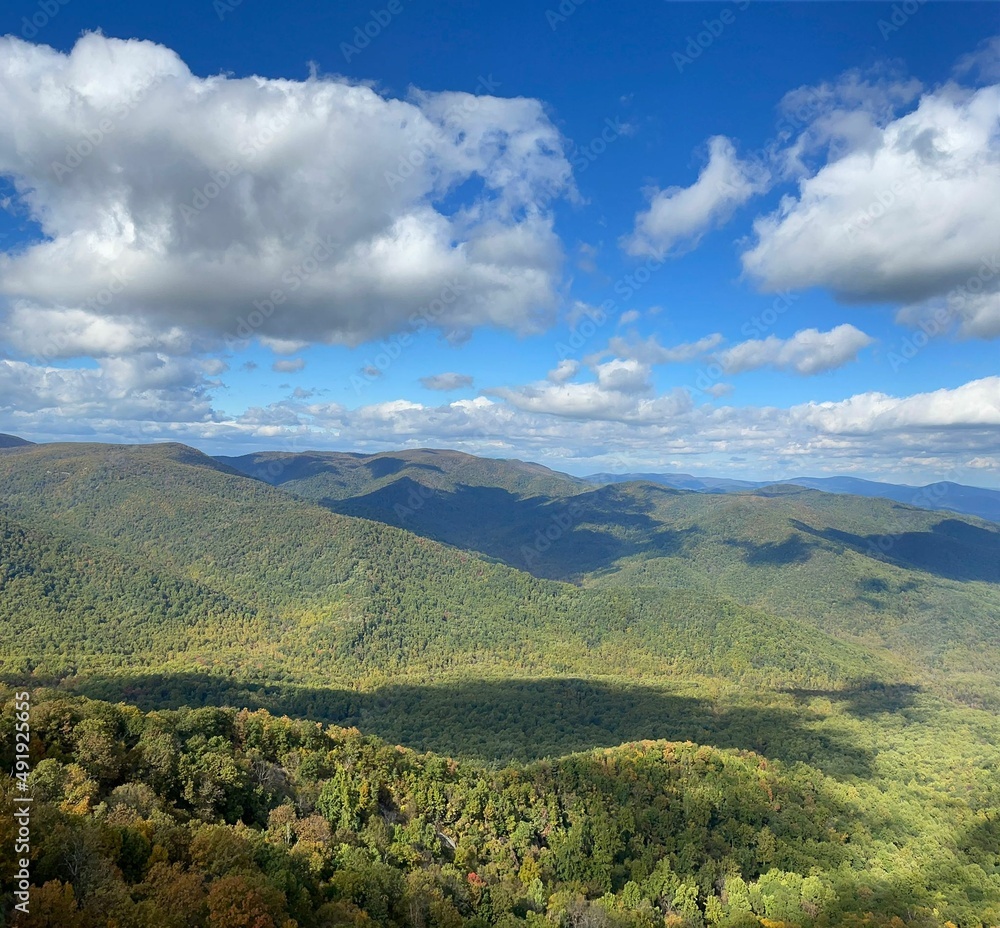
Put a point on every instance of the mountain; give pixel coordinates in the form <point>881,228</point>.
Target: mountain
<point>944,495</point>
<point>12,441</point>
<point>332,475</point>
<point>955,497</point>
<point>311,595</point>
<point>680,481</point>
<point>495,507</point>
<point>865,569</point>
<point>769,704</point>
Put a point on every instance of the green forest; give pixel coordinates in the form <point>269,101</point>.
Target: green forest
<point>261,705</point>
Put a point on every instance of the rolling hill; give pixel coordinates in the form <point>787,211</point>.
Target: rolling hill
<point>333,597</point>
<point>921,584</point>
<point>815,674</point>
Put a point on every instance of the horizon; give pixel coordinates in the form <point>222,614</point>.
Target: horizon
<point>582,474</point>
<point>374,227</point>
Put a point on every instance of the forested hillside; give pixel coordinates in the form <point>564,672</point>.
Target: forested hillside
<point>925,585</point>
<point>845,644</point>
<point>326,597</point>
<point>213,817</point>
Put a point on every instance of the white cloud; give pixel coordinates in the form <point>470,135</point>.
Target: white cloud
<point>806,352</point>
<point>972,405</point>
<point>629,316</point>
<point>289,365</point>
<point>623,375</point>
<point>446,382</point>
<point>650,351</point>
<point>283,345</point>
<point>984,62</point>
<point>564,370</point>
<point>677,217</point>
<point>904,214</point>
<point>54,333</point>
<point>188,200</point>
<point>585,426</point>
<point>620,393</point>
<point>580,311</point>
<point>114,395</point>
<point>977,313</point>
<point>834,118</point>
<point>592,402</point>
<point>947,430</point>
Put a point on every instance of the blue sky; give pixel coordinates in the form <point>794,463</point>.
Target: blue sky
<point>752,239</point>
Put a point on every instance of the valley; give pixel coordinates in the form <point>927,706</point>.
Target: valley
<point>522,626</point>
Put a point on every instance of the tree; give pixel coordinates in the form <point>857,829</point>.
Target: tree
<point>233,902</point>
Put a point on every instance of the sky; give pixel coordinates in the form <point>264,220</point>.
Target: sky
<point>748,239</point>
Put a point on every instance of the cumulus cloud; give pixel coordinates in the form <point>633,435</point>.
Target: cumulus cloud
<point>48,334</point>
<point>974,306</point>
<point>564,370</point>
<point>904,213</point>
<point>119,392</point>
<point>289,365</point>
<point>677,217</point>
<point>621,392</point>
<point>942,433</point>
<point>806,352</point>
<point>296,211</point>
<point>650,351</point>
<point>973,405</point>
<point>830,119</point>
<point>446,382</point>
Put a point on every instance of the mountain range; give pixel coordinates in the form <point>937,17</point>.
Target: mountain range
<point>500,613</point>
<point>942,495</point>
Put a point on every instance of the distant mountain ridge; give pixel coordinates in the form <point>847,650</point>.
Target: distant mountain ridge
<point>941,496</point>
<point>13,441</point>
<point>336,475</point>
<point>326,476</point>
